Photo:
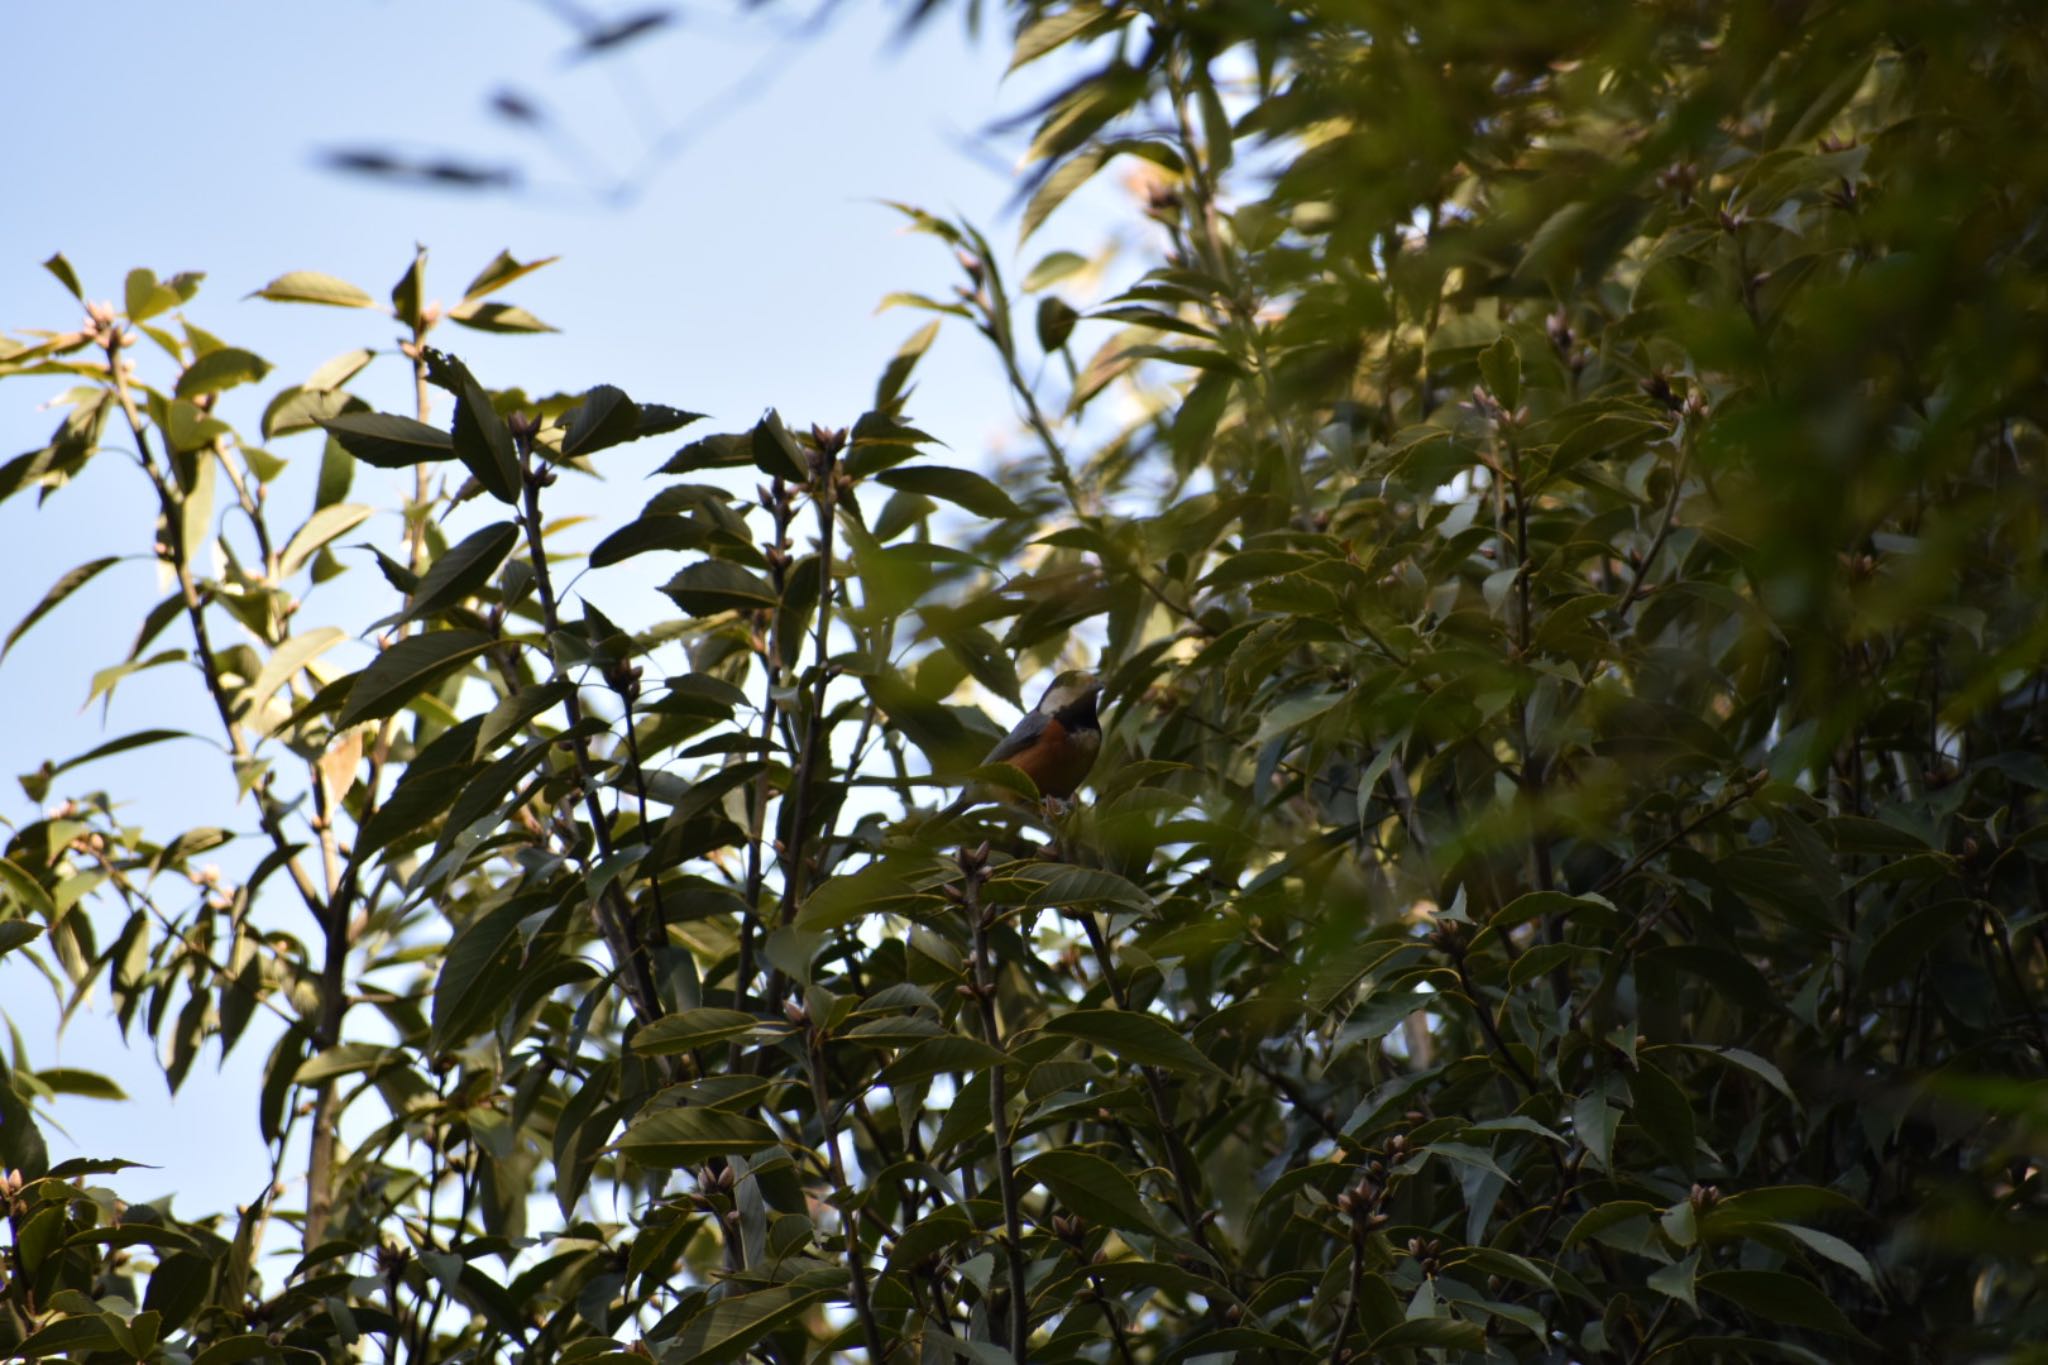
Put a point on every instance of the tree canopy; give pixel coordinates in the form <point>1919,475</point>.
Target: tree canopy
<point>1559,518</point>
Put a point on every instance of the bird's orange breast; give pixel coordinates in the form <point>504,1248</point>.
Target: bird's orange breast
<point>1058,759</point>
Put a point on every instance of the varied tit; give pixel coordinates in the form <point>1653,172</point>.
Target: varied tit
<point>1054,745</point>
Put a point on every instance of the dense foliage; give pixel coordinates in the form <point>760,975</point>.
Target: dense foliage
<point>1561,523</point>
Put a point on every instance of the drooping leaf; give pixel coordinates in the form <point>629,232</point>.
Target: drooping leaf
<point>66,585</point>
<point>669,1138</point>
<point>406,669</point>
<point>463,569</point>
<point>1090,1186</point>
<point>961,486</point>
<point>1135,1037</point>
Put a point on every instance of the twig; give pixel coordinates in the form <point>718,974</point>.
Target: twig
<point>613,916</point>
<point>1727,803</point>
<point>1635,587</point>
<point>974,871</point>
<point>774,497</point>
<point>1155,1084</point>
<point>856,1262</point>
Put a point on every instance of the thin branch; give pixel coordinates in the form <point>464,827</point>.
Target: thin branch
<point>1177,1160</point>
<point>613,915</point>
<point>974,871</point>
<point>849,1217</point>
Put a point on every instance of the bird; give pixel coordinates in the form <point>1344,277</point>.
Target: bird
<point>1054,745</point>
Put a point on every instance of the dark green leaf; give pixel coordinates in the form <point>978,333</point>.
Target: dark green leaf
<point>70,583</point>
<point>670,1138</point>
<point>1092,1187</point>
<point>714,586</point>
<point>961,486</point>
<point>461,571</point>
<point>406,669</point>
<point>1141,1038</point>
<point>389,441</point>
<point>481,439</point>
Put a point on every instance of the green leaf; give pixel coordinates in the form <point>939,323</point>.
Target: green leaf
<point>234,1350</point>
<point>607,417</point>
<point>79,1334</point>
<point>950,1055</point>
<point>670,1138</point>
<point>852,896</point>
<point>1784,1299</point>
<point>517,711</point>
<point>143,298</point>
<point>714,586</point>
<point>1541,904</point>
<point>943,1228</point>
<point>1092,1187</point>
<point>470,991</point>
<point>1065,885</point>
<point>496,317</point>
<point>985,660</point>
<point>1828,1245</point>
<point>1661,1108</point>
<point>1747,1061</point>
<point>1048,32</point>
<point>222,369</point>
<point>405,295</point>
<point>70,583</point>
<point>406,669</point>
<point>387,440</point>
<point>26,890</point>
<point>1676,1280</point>
<point>1056,188</point>
<point>726,1329</point>
<point>334,373</point>
<point>17,933</point>
<point>482,440</point>
<point>344,1059</point>
<point>66,276</point>
<point>775,452</point>
<point>1141,1038</point>
<point>961,486</point>
<point>502,270</point>
<point>463,570</point>
<point>91,1085</point>
<point>687,1030</point>
<point>1607,1215</point>
<point>1500,365</point>
<point>335,519</point>
<point>1449,1333</point>
<point>309,286</point>
<point>287,659</point>
<point>1053,268</point>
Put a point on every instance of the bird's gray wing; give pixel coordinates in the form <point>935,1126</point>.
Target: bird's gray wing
<point>1018,740</point>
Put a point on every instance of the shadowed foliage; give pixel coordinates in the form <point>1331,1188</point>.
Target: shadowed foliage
<point>1558,513</point>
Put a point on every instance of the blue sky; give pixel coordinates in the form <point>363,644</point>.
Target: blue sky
<point>744,273</point>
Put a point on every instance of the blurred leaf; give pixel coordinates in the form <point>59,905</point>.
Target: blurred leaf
<point>307,286</point>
